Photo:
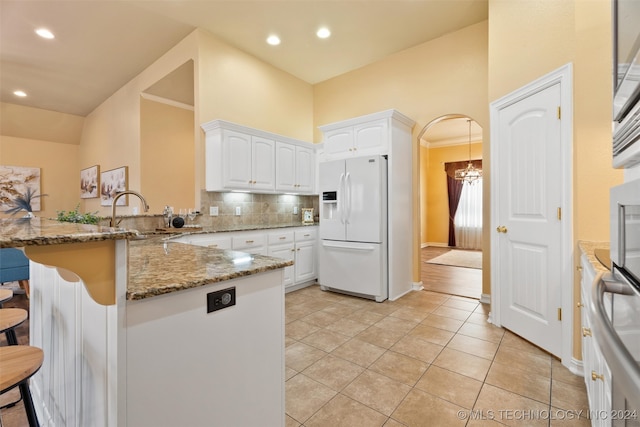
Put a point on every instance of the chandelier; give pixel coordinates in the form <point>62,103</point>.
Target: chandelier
<point>469,174</point>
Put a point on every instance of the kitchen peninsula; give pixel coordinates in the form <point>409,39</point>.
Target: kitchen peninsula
<point>130,334</point>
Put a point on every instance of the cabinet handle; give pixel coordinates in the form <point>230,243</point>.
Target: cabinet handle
<point>282,238</point>
<point>586,332</point>
<point>248,241</point>
<point>293,250</point>
<point>298,249</point>
<point>580,305</point>
<point>307,235</point>
<point>595,376</point>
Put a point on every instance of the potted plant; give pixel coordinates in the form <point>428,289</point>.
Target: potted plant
<point>77,217</point>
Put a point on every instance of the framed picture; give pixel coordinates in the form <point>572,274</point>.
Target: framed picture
<point>89,182</point>
<point>111,183</point>
<point>17,182</point>
<point>307,215</point>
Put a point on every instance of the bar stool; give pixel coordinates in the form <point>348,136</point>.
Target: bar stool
<point>17,364</point>
<point>5,295</point>
<point>10,318</point>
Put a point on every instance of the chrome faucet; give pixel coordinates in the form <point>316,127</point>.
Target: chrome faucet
<point>112,223</point>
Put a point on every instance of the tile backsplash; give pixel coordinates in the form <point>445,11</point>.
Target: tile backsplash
<point>256,209</point>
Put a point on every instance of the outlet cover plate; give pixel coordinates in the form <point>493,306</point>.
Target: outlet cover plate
<point>213,210</point>
<point>221,299</point>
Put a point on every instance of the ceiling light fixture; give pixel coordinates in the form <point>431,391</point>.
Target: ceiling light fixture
<point>323,33</point>
<point>20,93</point>
<point>470,174</point>
<point>44,33</point>
<point>273,40</point>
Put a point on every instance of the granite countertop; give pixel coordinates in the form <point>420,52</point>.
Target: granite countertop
<point>588,248</point>
<point>156,265</point>
<point>42,231</point>
<point>223,229</point>
<point>159,266</point>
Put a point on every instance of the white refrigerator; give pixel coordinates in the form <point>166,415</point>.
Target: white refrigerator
<point>353,227</point>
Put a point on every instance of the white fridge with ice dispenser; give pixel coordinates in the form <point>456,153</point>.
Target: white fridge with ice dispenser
<point>353,227</point>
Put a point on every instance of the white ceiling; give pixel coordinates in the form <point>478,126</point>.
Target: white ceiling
<point>101,45</point>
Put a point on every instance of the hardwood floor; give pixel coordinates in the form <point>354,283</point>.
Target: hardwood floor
<point>466,282</point>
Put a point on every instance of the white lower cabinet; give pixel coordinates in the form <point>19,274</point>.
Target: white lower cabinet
<point>306,255</point>
<point>597,375</point>
<point>298,244</point>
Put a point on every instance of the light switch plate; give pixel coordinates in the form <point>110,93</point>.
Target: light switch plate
<point>295,210</point>
<point>238,210</point>
<point>213,210</point>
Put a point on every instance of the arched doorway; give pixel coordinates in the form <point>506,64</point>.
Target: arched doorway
<point>451,255</point>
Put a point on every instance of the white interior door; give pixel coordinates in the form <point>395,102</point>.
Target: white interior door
<point>529,178</point>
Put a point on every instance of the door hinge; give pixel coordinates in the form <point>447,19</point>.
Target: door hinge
<point>559,214</point>
<point>559,314</point>
<point>559,113</point>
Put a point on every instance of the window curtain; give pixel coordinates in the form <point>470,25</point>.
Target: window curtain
<point>454,191</point>
<point>468,219</point>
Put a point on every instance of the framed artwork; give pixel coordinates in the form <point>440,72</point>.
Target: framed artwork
<point>111,183</point>
<point>89,182</point>
<point>307,216</point>
<point>17,182</point>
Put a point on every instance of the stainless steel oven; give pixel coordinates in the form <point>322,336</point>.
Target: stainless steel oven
<point>616,301</point>
<point>626,83</point>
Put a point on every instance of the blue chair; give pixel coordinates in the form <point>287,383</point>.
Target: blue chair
<point>14,267</point>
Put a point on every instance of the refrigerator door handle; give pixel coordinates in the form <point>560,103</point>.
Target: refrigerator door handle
<point>341,200</point>
<point>347,184</point>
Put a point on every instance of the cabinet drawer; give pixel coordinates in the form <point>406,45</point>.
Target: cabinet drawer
<point>248,241</point>
<point>280,237</point>
<point>209,241</point>
<point>308,234</point>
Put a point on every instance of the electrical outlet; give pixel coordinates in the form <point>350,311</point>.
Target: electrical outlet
<point>213,211</point>
<point>295,210</point>
<point>221,299</point>
<point>238,210</point>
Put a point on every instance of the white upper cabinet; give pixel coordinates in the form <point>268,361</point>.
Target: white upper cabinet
<point>295,168</point>
<point>358,140</point>
<point>248,161</point>
<point>242,158</point>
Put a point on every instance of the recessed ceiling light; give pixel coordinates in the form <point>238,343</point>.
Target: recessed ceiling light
<point>273,40</point>
<point>323,33</point>
<point>44,33</point>
<point>20,93</point>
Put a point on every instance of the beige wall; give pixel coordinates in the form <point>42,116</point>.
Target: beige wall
<point>578,32</point>
<point>228,84</point>
<point>447,75</point>
<point>59,171</point>
<point>166,155</point>
<point>436,207</point>
<point>35,123</point>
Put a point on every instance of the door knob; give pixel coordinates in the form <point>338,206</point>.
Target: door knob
<point>501,229</point>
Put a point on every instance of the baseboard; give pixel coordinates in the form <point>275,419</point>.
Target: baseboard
<point>417,286</point>
<point>300,286</point>
<point>485,298</point>
<point>436,244</point>
<point>576,367</point>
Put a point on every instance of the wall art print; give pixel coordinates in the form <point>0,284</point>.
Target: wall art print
<point>15,182</point>
<point>89,182</point>
<point>111,183</point>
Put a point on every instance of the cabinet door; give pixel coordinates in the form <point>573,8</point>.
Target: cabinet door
<point>305,263</point>
<point>338,143</point>
<point>371,138</point>
<point>305,170</point>
<point>236,165</point>
<point>263,162</point>
<point>285,167</point>
<point>285,252</point>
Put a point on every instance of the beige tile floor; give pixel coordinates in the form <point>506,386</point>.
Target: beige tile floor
<point>427,359</point>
